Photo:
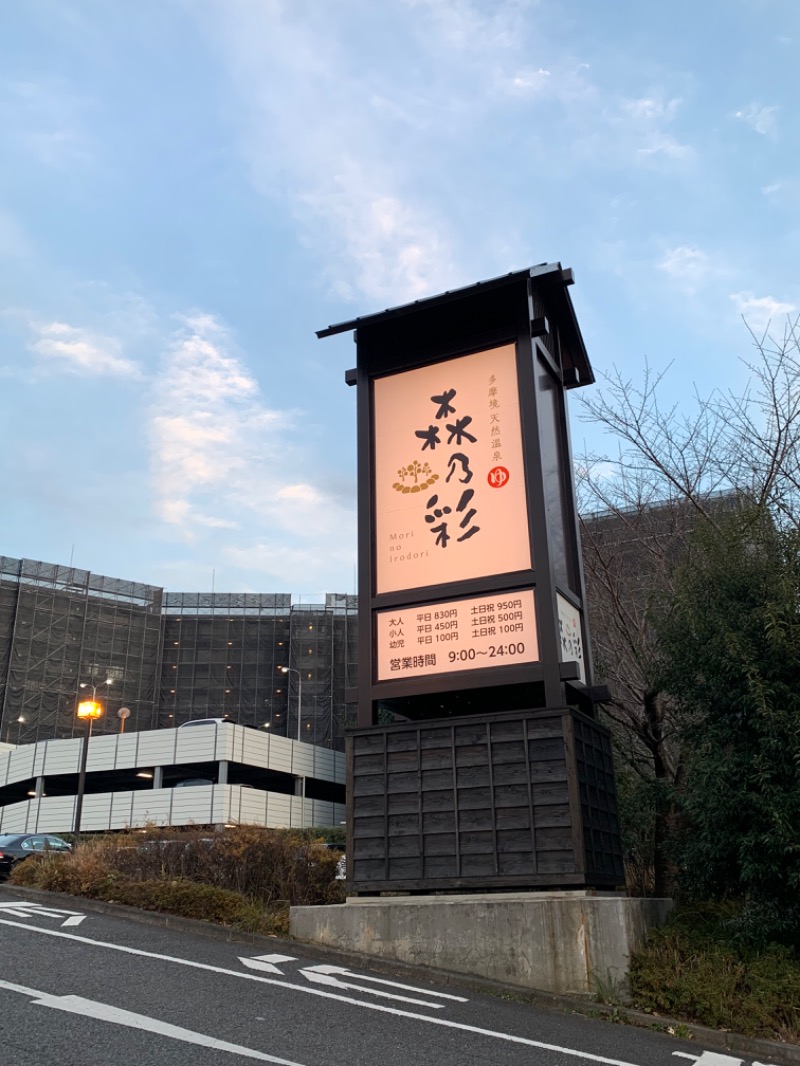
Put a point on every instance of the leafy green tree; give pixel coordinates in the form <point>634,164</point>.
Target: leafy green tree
<point>729,642</point>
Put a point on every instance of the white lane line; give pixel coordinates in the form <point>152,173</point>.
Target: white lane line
<point>89,1008</point>
<point>327,979</point>
<point>36,910</point>
<point>430,1020</point>
<point>711,1058</point>
<point>341,971</point>
<point>267,962</point>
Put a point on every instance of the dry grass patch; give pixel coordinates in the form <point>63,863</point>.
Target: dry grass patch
<point>246,877</point>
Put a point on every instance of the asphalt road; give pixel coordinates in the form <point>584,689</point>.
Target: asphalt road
<point>79,988</point>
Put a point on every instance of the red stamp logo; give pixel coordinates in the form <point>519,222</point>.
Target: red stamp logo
<point>498,477</point>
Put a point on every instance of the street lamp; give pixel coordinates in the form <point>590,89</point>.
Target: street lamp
<point>87,710</point>
<point>291,670</point>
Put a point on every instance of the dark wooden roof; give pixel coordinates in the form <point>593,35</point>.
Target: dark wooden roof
<point>550,279</point>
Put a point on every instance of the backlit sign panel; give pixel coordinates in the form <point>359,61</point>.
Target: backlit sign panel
<point>468,634</point>
<point>570,636</point>
<point>449,484</point>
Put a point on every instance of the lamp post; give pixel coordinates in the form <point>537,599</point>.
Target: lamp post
<point>291,670</point>
<point>87,710</point>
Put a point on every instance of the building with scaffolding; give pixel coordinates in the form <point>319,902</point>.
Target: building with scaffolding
<point>253,659</point>
<point>257,659</point>
<point>63,631</point>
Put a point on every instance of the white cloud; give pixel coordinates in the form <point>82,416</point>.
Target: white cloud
<point>374,156</point>
<point>667,145</point>
<point>462,25</point>
<point>343,140</point>
<point>206,407</point>
<point>81,351</point>
<point>310,567</point>
<point>318,136</point>
<point>529,79</point>
<point>762,119</point>
<point>643,120</point>
<point>687,265</point>
<point>303,493</point>
<point>221,459</point>
<point>759,311</point>
<point>784,191</point>
<point>395,252</point>
<point>651,108</point>
<point>368,152</point>
<point>595,469</point>
<point>610,131</point>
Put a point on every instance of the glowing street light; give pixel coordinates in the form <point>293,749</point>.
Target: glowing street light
<point>90,709</point>
<point>87,711</point>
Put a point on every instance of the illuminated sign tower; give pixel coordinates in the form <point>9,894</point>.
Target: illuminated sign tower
<point>473,649</point>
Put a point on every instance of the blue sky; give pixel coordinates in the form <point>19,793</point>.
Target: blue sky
<point>190,188</point>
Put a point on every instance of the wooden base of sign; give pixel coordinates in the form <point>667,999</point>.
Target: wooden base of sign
<point>519,800</point>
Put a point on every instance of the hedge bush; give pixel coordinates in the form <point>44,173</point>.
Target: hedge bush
<point>697,969</point>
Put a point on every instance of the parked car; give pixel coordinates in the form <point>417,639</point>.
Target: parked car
<point>16,847</point>
<point>205,721</point>
<point>216,722</point>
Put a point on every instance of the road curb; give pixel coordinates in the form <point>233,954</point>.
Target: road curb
<point>782,1054</point>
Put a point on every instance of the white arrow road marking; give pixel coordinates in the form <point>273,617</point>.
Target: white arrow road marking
<point>89,1008</point>
<point>266,962</point>
<point>342,972</point>
<point>710,1058</point>
<point>323,978</point>
<point>289,986</point>
<point>36,910</point>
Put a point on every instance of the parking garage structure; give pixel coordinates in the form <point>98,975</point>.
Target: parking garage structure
<point>218,774</point>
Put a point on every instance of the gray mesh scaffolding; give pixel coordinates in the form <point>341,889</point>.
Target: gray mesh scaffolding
<point>61,627</point>
<point>219,657</point>
<point>223,656</point>
<point>171,657</point>
<point>322,655</point>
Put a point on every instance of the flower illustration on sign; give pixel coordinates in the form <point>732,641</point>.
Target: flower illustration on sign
<point>410,477</point>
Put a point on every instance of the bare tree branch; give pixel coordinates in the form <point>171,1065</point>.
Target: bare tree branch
<point>672,470</point>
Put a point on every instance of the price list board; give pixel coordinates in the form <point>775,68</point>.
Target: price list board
<point>468,634</point>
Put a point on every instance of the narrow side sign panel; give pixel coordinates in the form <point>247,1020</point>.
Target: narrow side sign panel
<point>473,634</point>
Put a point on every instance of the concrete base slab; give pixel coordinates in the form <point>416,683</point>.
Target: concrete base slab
<point>563,942</point>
